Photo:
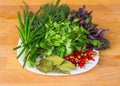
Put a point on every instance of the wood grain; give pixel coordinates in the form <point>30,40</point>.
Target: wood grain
<point>70,2</point>
<point>106,13</point>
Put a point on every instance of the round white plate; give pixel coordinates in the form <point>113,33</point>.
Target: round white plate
<point>78,70</point>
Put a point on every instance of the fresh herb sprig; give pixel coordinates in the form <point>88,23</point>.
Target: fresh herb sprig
<point>28,39</point>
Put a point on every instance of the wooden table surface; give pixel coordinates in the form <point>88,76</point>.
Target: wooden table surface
<point>106,13</point>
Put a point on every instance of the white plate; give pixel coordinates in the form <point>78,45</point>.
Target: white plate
<point>78,70</point>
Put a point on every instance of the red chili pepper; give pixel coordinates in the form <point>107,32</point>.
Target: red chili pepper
<point>76,53</point>
<point>67,57</point>
<point>90,52</point>
<point>72,57</point>
<point>80,65</point>
<point>80,58</point>
<point>75,63</point>
<point>90,58</point>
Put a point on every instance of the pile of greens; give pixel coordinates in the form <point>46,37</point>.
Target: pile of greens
<point>56,30</point>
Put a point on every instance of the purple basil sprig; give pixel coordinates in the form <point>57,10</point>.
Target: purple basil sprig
<point>85,20</point>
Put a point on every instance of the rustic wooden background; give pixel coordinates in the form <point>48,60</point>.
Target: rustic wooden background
<point>106,13</point>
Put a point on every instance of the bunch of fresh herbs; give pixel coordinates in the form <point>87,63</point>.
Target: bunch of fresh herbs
<point>55,30</point>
